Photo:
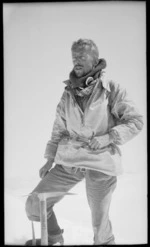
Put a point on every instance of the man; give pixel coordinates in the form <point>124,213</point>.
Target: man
<point>92,118</point>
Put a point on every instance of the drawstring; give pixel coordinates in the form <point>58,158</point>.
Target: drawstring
<point>74,169</point>
<point>82,169</point>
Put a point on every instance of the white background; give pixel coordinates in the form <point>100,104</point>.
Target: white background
<point>37,58</point>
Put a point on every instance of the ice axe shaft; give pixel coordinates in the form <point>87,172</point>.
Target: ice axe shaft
<point>43,219</point>
<point>33,235</point>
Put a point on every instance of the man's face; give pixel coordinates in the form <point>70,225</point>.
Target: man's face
<point>83,62</point>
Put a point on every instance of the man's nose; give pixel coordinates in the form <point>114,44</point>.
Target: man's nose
<point>77,61</point>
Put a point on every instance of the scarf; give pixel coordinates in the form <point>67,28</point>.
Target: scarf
<point>76,82</point>
<point>83,92</point>
<point>83,86</point>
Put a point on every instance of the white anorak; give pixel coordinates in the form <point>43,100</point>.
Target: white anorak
<point>108,111</point>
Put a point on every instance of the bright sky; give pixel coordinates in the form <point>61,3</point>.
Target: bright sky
<point>37,58</point>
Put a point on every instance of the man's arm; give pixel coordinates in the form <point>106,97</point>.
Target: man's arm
<point>128,120</point>
<point>59,128</point>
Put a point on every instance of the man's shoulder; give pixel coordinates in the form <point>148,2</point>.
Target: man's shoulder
<point>67,85</point>
<point>111,85</point>
<point>66,90</point>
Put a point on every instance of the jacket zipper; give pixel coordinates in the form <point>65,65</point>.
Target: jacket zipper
<point>83,113</point>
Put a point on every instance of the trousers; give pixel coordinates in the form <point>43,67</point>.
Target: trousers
<point>99,189</point>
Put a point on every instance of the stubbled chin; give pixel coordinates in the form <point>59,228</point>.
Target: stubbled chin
<point>78,74</point>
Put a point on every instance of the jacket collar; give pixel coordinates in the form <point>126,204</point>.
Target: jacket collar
<point>105,83</point>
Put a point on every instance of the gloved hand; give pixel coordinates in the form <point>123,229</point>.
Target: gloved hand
<point>45,169</point>
<point>99,142</point>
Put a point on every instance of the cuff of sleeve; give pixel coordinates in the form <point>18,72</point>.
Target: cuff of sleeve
<point>114,136</point>
<point>49,158</point>
<point>50,151</point>
<point>105,140</point>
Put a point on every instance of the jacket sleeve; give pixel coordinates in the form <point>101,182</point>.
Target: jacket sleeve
<point>128,120</point>
<point>59,128</point>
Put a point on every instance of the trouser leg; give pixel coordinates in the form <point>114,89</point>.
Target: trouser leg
<point>58,179</point>
<point>99,188</point>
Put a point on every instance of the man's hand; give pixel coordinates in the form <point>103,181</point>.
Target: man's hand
<point>44,170</point>
<point>99,142</point>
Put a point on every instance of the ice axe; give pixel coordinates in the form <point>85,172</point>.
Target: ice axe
<point>43,214</point>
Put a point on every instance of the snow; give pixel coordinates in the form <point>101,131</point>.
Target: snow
<point>128,212</point>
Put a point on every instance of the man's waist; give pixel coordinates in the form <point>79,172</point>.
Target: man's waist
<point>77,138</point>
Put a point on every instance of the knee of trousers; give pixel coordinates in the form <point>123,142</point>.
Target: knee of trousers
<point>32,208</point>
